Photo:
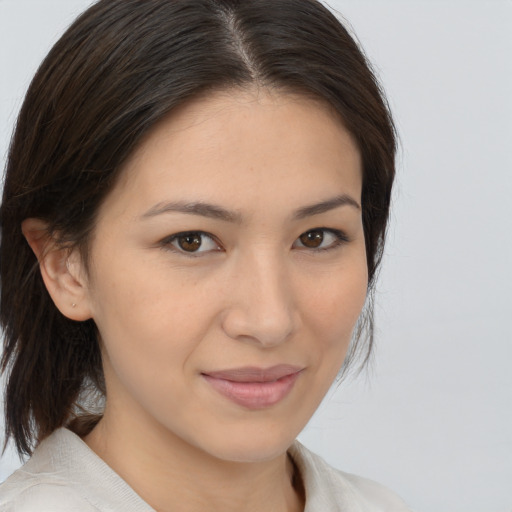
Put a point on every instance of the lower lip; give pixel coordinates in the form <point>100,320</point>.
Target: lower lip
<point>254,395</point>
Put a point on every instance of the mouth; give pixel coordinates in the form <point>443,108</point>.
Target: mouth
<point>252,387</point>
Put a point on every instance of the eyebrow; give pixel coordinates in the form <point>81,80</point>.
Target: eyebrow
<point>325,206</point>
<point>219,213</point>
<point>195,208</point>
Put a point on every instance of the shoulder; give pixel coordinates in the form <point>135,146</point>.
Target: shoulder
<point>44,483</point>
<point>374,494</point>
<point>65,475</point>
<point>331,490</point>
<point>22,492</point>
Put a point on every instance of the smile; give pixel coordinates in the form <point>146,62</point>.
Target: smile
<point>254,388</point>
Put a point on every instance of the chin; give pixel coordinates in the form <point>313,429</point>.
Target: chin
<point>253,452</point>
<point>251,445</point>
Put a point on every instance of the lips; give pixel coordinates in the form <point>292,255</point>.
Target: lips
<point>254,388</point>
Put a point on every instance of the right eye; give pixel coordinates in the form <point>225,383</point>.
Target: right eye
<point>191,242</point>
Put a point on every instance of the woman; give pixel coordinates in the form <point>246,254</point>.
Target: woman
<point>194,211</point>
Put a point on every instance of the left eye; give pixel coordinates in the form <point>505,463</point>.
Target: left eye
<point>192,242</point>
<point>320,239</point>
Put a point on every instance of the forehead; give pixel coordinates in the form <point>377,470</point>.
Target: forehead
<point>239,143</point>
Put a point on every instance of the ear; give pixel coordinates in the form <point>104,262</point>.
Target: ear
<point>62,271</point>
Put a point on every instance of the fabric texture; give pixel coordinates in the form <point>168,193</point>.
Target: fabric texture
<point>65,475</point>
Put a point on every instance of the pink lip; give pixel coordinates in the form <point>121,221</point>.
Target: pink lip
<point>254,388</point>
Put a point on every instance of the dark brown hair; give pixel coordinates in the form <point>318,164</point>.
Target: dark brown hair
<point>119,69</point>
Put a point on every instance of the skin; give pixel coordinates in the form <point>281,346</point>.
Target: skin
<point>253,295</point>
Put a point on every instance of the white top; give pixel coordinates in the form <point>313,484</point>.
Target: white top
<point>65,475</point>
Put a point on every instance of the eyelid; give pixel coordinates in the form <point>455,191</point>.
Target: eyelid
<point>341,238</point>
<point>167,243</point>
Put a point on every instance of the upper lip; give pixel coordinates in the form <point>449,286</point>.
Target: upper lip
<point>255,374</point>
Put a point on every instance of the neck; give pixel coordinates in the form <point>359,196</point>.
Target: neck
<point>170,474</point>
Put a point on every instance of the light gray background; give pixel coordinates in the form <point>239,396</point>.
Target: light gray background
<point>432,419</point>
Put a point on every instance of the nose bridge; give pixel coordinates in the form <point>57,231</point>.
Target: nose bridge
<point>262,303</point>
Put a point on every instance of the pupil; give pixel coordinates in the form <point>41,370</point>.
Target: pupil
<point>312,239</point>
<point>190,243</point>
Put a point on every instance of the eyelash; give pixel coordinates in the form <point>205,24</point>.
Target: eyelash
<point>171,242</point>
<point>340,238</point>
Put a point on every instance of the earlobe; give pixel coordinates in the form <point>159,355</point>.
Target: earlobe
<point>61,270</point>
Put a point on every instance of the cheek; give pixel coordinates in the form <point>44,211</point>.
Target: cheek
<point>332,312</point>
<point>148,339</point>
<point>138,320</point>
<point>152,323</point>
<point>146,295</point>
<point>336,302</point>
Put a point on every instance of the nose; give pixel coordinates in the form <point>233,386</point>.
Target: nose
<point>261,306</point>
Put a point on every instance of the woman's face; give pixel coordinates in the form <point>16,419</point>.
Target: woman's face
<point>228,271</point>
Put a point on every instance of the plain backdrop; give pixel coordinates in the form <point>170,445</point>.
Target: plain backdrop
<point>432,418</point>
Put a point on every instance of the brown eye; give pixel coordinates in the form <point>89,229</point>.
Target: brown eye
<point>193,243</point>
<point>321,239</point>
<point>312,239</point>
<point>189,242</point>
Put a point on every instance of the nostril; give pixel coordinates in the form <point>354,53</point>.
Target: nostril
<point>260,307</point>
<point>267,328</point>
